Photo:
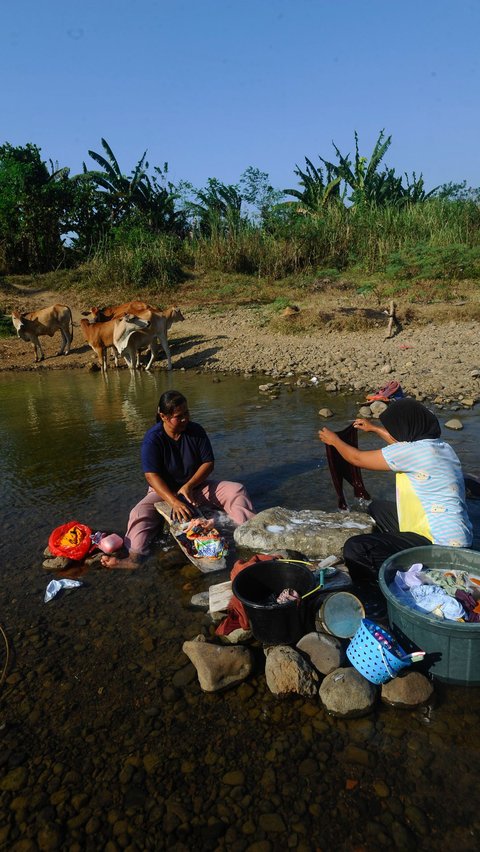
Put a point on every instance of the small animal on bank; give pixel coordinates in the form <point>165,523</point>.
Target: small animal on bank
<point>33,324</point>
<point>129,343</point>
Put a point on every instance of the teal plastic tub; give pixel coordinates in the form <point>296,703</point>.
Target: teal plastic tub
<point>453,647</point>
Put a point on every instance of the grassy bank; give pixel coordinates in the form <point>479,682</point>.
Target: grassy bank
<point>340,258</point>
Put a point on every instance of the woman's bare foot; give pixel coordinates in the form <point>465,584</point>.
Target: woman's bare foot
<point>127,563</point>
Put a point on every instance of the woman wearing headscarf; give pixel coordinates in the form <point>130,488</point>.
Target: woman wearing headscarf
<point>430,503</point>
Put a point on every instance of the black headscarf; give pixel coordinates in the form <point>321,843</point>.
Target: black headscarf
<point>409,420</point>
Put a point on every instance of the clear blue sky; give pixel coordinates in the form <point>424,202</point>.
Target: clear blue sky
<point>214,86</point>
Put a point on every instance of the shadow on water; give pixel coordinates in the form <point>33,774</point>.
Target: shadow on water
<point>108,741</point>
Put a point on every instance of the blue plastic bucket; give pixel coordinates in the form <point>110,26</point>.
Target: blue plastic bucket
<point>375,653</point>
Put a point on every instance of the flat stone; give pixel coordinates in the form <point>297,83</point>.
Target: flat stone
<point>312,532</point>
<point>218,666</point>
<point>325,412</point>
<point>200,601</point>
<point>346,693</point>
<point>454,424</point>
<point>324,652</point>
<point>56,563</point>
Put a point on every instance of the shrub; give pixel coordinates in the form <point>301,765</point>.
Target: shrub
<point>134,259</point>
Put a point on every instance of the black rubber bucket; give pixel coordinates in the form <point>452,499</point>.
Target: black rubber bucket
<point>259,584</point>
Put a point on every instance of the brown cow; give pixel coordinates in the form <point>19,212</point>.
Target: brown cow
<point>30,326</point>
<point>129,342</point>
<point>99,335</point>
<point>103,314</point>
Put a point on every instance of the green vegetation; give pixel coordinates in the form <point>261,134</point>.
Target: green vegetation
<point>108,229</point>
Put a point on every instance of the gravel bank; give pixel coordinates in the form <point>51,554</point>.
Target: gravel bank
<point>438,362</point>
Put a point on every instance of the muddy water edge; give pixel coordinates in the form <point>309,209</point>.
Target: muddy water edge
<point>107,741</point>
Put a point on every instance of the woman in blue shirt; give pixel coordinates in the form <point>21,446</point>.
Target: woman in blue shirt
<point>177,460</point>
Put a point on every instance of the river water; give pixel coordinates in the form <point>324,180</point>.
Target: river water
<point>107,740</point>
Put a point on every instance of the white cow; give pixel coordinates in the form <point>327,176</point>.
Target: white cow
<point>30,326</point>
<point>130,342</point>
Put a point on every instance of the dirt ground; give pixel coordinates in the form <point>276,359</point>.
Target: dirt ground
<point>436,359</point>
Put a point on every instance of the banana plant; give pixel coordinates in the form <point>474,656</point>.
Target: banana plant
<point>367,185</point>
<point>122,192</point>
<point>217,209</point>
<point>318,190</point>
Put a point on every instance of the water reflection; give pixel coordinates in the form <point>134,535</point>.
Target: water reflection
<point>71,442</point>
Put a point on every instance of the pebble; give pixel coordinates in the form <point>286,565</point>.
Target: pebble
<point>454,424</point>
<point>235,778</point>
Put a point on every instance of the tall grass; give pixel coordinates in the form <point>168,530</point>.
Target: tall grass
<point>429,240</point>
<point>141,260</point>
<point>338,237</point>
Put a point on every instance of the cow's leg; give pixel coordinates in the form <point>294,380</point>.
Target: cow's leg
<point>130,358</point>
<point>100,352</point>
<point>166,349</point>
<point>153,354</point>
<point>66,343</point>
<point>39,356</point>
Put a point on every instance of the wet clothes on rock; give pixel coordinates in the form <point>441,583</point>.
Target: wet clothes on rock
<point>341,469</point>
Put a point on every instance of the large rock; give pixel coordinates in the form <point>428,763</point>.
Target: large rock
<point>286,672</point>
<point>312,532</point>
<point>346,693</point>
<point>218,666</point>
<point>324,652</point>
<point>407,690</point>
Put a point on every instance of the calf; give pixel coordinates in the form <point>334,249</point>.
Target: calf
<point>30,326</point>
<point>99,335</point>
<point>129,343</point>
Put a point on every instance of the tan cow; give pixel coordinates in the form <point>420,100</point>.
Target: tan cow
<point>129,343</point>
<point>30,326</point>
<point>99,335</point>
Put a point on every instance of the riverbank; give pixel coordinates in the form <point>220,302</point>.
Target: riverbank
<point>435,355</point>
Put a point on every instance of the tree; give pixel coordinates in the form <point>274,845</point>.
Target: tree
<point>137,197</point>
<point>34,210</point>
<point>317,190</point>
<point>258,192</point>
<point>217,209</point>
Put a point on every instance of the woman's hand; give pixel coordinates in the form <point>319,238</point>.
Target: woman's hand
<point>327,436</point>
<point>186,490</point>
<point>364,425</point>
<point>180,511</point>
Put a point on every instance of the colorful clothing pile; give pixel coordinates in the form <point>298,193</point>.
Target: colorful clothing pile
<point>446,594</point>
